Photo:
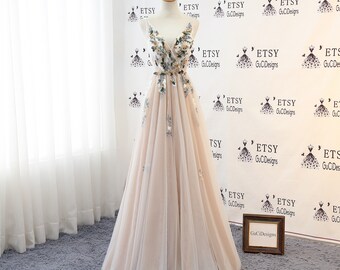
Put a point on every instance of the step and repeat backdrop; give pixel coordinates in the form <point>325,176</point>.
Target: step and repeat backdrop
<point>268,76</point>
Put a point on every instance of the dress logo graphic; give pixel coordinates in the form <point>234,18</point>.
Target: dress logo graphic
<point>330,57</point>
<point>269,9</point>
<point>283,205</point>
<point>232,198</point>
<point>245,155</point>
<point>325,6</point>
<point>205,58</point>
<point>310,161</point>
<point>267,206</point>
<point>138,12</point>
<point>266,153</point>
<point>244,61</point>
<point>266,58</point>
<point>190,9</point>
<point>216,148</point>
<point>231,9</point>
<point>267,108</point>
<point>218,106</point>
<point>311,61</point>
<point>321,110</point>
<point>193,62</point>
<point>132,15</point>
<point>210,58</point>
<point>331,110</point>
<point>285,106</point>
<point>320,214</point>
<point>232,104</point>
<point>137,61</point>
<point>219,12</point>
<point>135,103</point>
<point>329,157</point>
<point>323,215</point>
<point>287,7</point>
<point>223,197</point>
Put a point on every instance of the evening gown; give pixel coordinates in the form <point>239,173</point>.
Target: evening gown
<point>171,215</point>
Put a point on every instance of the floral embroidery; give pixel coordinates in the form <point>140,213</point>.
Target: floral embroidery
<point>200,174</point>
<point>172,61</point>
<point>163,58</point>
<point>183,46</point>
<point>146,167</point>
<point>146,106</point>
<point>186,83</point>
<point>169,126</point>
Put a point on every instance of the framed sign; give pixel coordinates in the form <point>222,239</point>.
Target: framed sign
<point>263,233</point>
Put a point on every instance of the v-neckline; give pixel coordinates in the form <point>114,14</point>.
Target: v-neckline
<point>162,37</point>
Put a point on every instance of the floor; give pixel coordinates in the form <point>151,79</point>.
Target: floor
<point>86,250</point>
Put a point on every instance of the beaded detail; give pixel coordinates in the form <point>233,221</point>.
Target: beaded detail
<point>171,60</point>
<point>171,63</point>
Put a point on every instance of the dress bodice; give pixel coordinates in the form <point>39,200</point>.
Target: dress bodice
<point>171,58</point>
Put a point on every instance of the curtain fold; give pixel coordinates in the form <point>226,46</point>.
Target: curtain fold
<point>57,119</point>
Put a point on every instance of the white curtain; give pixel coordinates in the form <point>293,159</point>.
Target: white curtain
<point>57,121</point>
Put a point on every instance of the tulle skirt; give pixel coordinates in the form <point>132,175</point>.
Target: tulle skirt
<point>171,215</point>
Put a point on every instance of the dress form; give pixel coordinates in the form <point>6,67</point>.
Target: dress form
<point>169,22</point>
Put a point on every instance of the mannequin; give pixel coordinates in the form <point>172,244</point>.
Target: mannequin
<point>169,22</point>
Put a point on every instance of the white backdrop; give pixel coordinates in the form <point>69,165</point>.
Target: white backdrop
<point>268,77</point>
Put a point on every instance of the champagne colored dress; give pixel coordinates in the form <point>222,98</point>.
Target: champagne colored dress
<point>171,215</point>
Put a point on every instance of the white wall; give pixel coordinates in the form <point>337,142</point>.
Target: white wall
<point>282,42</point>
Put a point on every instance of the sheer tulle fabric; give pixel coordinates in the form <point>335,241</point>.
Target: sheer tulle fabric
<point>171,215</point>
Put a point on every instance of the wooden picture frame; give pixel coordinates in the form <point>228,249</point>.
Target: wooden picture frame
<point>264,233</point>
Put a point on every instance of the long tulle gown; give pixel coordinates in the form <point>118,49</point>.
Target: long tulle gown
<point>171,215</point>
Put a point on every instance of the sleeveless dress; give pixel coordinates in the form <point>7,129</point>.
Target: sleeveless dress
<point>171,215</point>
